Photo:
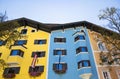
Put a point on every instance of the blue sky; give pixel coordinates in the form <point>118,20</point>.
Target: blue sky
<point>57,11</point>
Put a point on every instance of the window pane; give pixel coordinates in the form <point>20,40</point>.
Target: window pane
<point>40,42</point>
<point>1,42</point>
<point>14,52</point>
<point>86,64</point>
<point>20,42</point>
<point>83,49</point>
<point>23,31</point>
<point>59,66</point>
<point>59,39</point>
<point>101,46</point>
<point>106,75</point>
<point>81,37</point>
<point>0,54</point>
<point>59,52</point>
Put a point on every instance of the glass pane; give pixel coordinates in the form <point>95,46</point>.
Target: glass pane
<point>80,65</point>
<point>1,42</point>
<point>101,47</point>
<point>14,52</point>
<point>40,42</point>
<point>81,37</point>
<point>20,42</point>
<point>59,52</point>
<point>86,64</point>
<point>60,66</point>
<point>83,49</point>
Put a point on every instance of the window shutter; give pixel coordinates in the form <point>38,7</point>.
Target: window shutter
<point>55,39</point>
<point>4,42</point>
<point>30,69</point>
<point>55,52</point>
<point>6,71</point>
<point>36,42</point>
<point>42,54</point>
<point>41,68</point>
<point>64,40</point>
<point>54,66</point>
<point>16,70</point>
<point>63,52</point>
<point>44,41</point>
<point>65,65</point>
<point>32,54</point>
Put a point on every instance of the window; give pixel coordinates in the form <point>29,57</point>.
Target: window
<point>0,54</point>
<point>104,59</point>
<point>79,37</point>
<point>2,42</point>
<point>59,52</point>
<point>16,52</point>
<point>106,75</point>
<point>60,40</point>
<point>118,73</point>
<point>60,67</point>
<point>20,42</point>
<point>39,54</point>
<point>36,69</point>
<point>32,30</point>
<point>40,42</point>
<point>101,46</point>
<point>81,49</point>
<point>12,70</point>
<point>84,63</point>
<point>24,31</point>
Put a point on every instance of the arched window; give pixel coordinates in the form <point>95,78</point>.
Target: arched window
<point>101,46</point>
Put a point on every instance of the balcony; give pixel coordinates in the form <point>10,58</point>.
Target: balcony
<point>21,47</point>
<point>60,68</point>
<point>9,75</point>
<point>14,59</point>
<point>34,74</point>
<point>36,71</point>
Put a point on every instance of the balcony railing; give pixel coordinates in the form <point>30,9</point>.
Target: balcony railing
<point>34,74</point>
<point>9,75</point>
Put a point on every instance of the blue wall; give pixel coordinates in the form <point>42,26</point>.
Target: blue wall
<point>71,58</point>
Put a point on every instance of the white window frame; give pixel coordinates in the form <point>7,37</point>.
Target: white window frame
<point>118,73</point>
<point>107,73</point>
<point>103,44</point>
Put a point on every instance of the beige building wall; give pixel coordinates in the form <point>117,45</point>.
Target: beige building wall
<point>113,69</point>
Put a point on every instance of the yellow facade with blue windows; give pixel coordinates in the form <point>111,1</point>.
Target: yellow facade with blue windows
<point>20,57</point>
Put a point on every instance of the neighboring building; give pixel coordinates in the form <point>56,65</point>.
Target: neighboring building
<point>56,51</point>
<point>105,70</point>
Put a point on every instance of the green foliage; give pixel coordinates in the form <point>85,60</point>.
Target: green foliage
<point>111,39</point>
<point>3,64</point>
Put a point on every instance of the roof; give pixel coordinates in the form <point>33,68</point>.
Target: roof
<point>51,27</point>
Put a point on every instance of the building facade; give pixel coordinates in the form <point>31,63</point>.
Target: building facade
<point>56,51</point>
<point>20,56</point>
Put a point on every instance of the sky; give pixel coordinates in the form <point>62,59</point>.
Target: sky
<point>57,11</point>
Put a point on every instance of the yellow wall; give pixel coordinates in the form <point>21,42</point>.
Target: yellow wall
<point>25,61</point>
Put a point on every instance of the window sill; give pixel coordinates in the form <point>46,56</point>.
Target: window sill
<point>84,68</point>
<point>59,42</point>
<point>81,53</point>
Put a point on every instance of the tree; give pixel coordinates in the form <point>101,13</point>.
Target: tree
<point>8,33</point>
<point>111,40</point>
